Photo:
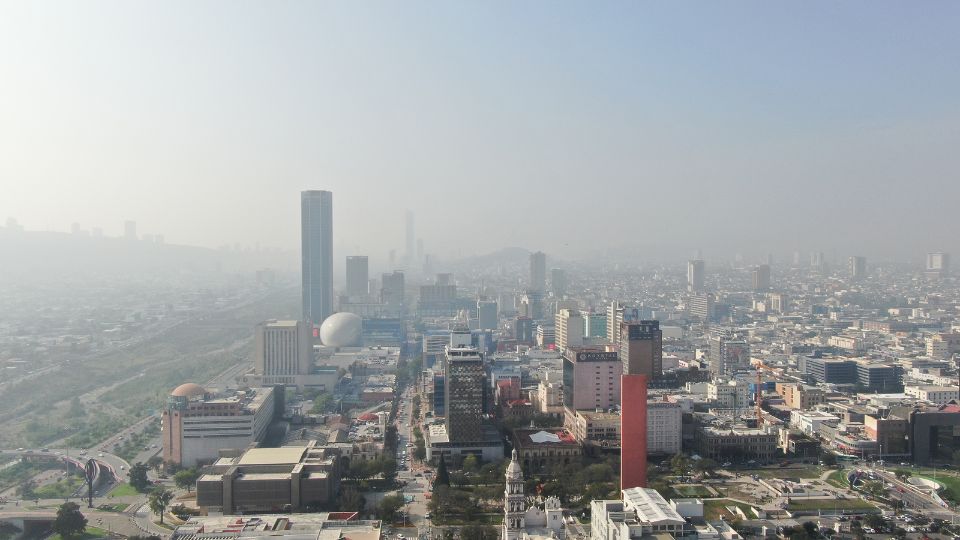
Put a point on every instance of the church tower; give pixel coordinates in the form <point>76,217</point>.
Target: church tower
<point>514,507</point>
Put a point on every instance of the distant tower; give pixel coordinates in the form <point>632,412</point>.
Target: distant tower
<point>538,272</point>
<point>358,274</point>
<point>761,277</point>
<point>858,267</point>
<point>316,254</point>
<point>411,254</point>
<point>938,264</point>
<point>695,271</point>
<point>514,507</point>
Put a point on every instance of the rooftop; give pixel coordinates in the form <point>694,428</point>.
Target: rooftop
<point>650,506</point>
<point>272,456</point>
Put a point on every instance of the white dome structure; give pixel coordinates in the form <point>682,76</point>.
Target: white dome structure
<point>341,330</point>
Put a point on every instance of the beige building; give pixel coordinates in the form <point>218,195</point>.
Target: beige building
<point>601,428</point>
<point>283,354</point>
<point>943,345</point>
<point>800,396</point>
<point>568,328</point>
<point>938,395</point>
<point>663,427</point>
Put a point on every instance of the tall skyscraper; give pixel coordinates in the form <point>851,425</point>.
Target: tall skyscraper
<point>695,272</point>
<point>316,254</point>
<point>358,274</point>
<point>392,288</point>
<point>464,384</point>
<point>282,350</point>
<point>487,315</point>
<point>558,282</point>
<point>728,354</point>
<point>858,267</point>
<point>761,277</point>
<point>411,254</point>
<point>641,348</point>
<point>568,325</point>
<point>938,264</point>
<point>538,272</point>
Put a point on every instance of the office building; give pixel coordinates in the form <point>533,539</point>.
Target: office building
<point>879,377</point>
<point>438,300</point>
<point>531,305</point>
<point>761,277</point>
<point>664,429</point>
<point>725,443</point>
<point>316,253</point>
<point>325,525</point>
<point>591,378</point>
<point>464,383</point>
<point>942,345</point>
<point>358,276</point>
<point>558,282</point>
<point>938,395</point>
<point>702,306</point>
<point>568,327</point>
<point>642,513</point>
<point>524,330</point>
<point>695,274</point>
<point>938,264</point>
<point>538,272</point>
<point>830,370</point>
<point>487,315</point>
<point>392,289</point>
<point>298,478</point>
<point>595,326</point>
<point>857,266</point>
<point>818,261</point>
<point>728,355</point>
<point>934,434</point>
<point>800,396</point>
<point>641,348</point>
<point>546,336</point>
<point>728,394</point>
<point>283,355</point>
<point>197,425</point>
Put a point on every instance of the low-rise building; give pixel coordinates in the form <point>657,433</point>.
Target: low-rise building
<point>664,429</point>
<point>938,395</point>
<point>541,449</point>
<point>735,442</point>
<point>641,512</point>
<point>323,525</point>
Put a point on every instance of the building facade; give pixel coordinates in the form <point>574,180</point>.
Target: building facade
<point>316,252</point>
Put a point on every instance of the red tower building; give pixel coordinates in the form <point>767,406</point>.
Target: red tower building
<point>633,431</point>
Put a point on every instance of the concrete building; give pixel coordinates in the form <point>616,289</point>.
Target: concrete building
<point>641,348</point>
<point>323,525</point>
<point>633,431</point>
<point>664,429</point>
<point>316,252</point>
<point>849,343</point>
<point>392,290</point>
<point>761,278</point>
<point>935,434</point>
<point>734,443</point>
<point>702,306</point>
<point>487,315</point>
<point>283,350</point>
<point>464,383</point>
<point>857,267</point>
<point>558,282</point>
<point>831,370</point>
<point>540,450</point>
<point>728,355</point>
<point>879,377</point>
<point>591,379</point>
<point>728,394</point>
<point>938,264</point>
<point>196,425</point>
<point>595,326</point>
<point>809,422</point>
<point>696,269</point>
<point>358,276</point>
<point>568,326</point>
<point>938,395</point>
<point>546,335</point>
<point>290,478</point>
<point>943,345</point>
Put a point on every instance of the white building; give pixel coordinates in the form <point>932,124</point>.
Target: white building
<point>728,394</point>
<point>938,395</point>
<point>642,512</point>
<point>663,427</point>
<point>568,327</point>
<point>809,422</point>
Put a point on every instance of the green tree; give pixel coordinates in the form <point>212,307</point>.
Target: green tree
<point>443,476</point>
<point>138,477</point>
<point>27,489</point>
<point>470,464</point>
<point>680,464</point>
<point>476,531</point>
<point>391,439</point>
<point>351,500</point>
<point>70,522</point>
<point>158,500</point>
<point>811,529</point>
<point>387,467</point>
<point>388,507</point>
<point>76,409</point>
<point>829,459</point>
<point>705,465</point>
<point>155,462</point>
<point>186,479</point>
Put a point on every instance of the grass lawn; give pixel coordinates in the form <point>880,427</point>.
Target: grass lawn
<point>91,532</point>
<point>829,504</point>
<point>810,471</point>
<point>947,479</point>
<point>838,479</point>
<point>715,508</point>
<point>693,491</point>
<point>123,490</point>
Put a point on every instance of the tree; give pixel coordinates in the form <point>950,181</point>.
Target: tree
<point>8,530</point>
<point>389,506</point>
<point>138,477</point>
<point>475,531</point>
<point>828,458</point>
<point>443,476</point>
<point>387,468</point>
<point>680,464</point>
<point>158,501</point>
<point>70,522</point>
<point>705,464</point>
<point>27,490</point>
<point>351,500</point>
<point>186,478</point>
<point>391,439</point>
<point>876,521</point>
<point>811,529</point>
<point>470,464</point>
<point>76,409</point>
<point>155,462</point>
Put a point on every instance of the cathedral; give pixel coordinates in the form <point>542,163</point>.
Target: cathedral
<point>522,523</point>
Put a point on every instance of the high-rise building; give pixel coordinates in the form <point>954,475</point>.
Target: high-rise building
<point>464,383</point>
<point>410,254</point>
<point>761,277</point>
<point>568,325</point>
<point>633,431</point>
<point>614,318</point>
<point>391,288</point>
<point>702,306</point>
<point>857,266</point>
<point>358,275</point>
<point>641,348</point>
<point>316,253</point>
<point>130,230</point>
<point>728,354</point>
<point>595,326</point>
<point>818,261</point>
<point>938,264</point>
<point>487,315</point>
<point>538,272</point>
<point>591,379</point>
<point>558,282</point>
<point>695,273</point>
<point>282,350</point>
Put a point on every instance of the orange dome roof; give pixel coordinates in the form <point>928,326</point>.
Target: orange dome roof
<point>188,390</point>
<point>366,417</point>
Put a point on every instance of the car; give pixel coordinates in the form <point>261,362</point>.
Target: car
<point>427,515</point>
<point>100,454</point>
<point>727,464</point>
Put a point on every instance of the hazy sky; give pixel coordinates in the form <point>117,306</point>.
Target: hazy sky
<point>549,125</point>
